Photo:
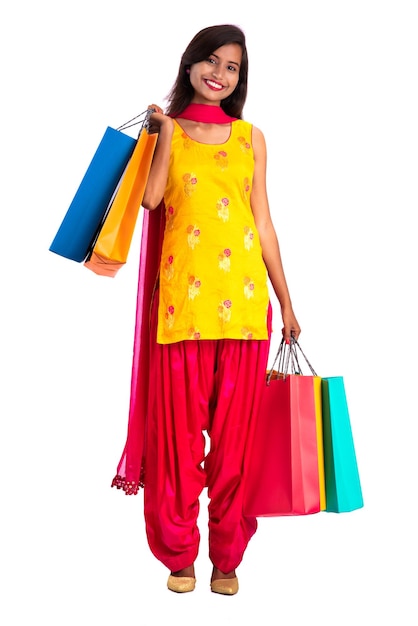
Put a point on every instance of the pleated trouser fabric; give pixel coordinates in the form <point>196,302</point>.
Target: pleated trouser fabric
<point>197,386</point>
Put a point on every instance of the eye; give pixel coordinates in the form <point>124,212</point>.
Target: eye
<point>211,60</point>
<point>232,68</point>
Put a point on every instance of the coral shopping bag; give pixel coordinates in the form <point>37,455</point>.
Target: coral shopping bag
<point>285,474</point>
<point>111,247</point>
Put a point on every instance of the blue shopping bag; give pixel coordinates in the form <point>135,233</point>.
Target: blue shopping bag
<point>342,479</point>
<point>85,213</point>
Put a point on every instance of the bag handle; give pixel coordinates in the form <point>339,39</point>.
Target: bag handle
<point>288,361</point>
<point>297,346</point>
<point>141,118</point>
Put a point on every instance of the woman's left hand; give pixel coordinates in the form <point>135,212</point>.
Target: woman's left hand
<point>291,326</point>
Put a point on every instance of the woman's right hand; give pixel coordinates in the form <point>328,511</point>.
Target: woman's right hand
<point>158,119</point>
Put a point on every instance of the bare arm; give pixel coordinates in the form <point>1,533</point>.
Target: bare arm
<point>268,237</point>
<point>157,179</point>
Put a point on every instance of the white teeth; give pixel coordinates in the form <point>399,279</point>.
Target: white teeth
<point>214,85</point>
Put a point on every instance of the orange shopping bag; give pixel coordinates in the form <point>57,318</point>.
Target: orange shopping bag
<point>111,247</point>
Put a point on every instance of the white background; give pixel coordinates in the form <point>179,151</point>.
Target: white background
<point>333,85</point>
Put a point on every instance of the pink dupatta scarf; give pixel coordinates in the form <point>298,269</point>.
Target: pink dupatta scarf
<point>130,470</point>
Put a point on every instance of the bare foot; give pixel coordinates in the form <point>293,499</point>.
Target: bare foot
<point>186,571</point>
<point>217,574</point>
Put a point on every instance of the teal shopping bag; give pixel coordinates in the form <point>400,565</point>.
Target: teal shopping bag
<point>342,480</point>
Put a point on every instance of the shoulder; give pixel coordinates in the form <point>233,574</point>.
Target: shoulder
<point>258,135</point>
<point>259,141</point>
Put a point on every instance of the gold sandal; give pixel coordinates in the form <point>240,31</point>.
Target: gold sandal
<point>226,586</point>
<point>181,584</point>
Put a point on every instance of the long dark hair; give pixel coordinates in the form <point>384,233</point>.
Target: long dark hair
<point>200,48</point>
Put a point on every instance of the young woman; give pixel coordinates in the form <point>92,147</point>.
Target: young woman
<point>210,315</point>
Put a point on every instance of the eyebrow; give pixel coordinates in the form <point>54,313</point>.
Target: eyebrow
<point>229,62</point>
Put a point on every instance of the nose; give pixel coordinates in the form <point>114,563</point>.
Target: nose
<point>217,72</point>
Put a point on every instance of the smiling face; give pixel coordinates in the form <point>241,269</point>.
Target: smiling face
<point>215,78</point>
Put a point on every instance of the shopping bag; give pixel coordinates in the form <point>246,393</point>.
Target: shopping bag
<point>79,226</point>
<point>343,492</point>
<point>317,383</point>
<point>342,479</point>
<point>110,249</point>
<point>285,472</point>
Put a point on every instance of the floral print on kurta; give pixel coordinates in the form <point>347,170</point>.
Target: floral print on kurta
<point>189,181</point>
<point>225,311</point>
<point>221,159</point>
<point>244,144</point>
<point>169,317</point>
<point>168,268</point>
<point>249,287</point>
<point>222,206</point>
<point>224,260</point>
<point>248,238</point>
<point>194,287</point>
<point>193,333</point>
<point>169,218</point>
<point>193,234</point>
<point>213,280</point>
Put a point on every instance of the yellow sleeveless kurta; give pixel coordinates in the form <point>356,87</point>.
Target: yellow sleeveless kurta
<point>213,280</point>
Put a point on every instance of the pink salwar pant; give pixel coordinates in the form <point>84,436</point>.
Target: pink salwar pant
<point>196,386</point>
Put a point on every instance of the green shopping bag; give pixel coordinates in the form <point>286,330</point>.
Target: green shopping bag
<point>342,480</point>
